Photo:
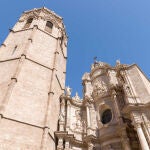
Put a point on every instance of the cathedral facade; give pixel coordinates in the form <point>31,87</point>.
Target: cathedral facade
<point>37,112</point>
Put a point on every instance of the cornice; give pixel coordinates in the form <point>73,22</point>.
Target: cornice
<point>135,107</point>
<point>45,10</point>
<point>45,14</point>
<point>90,138</point>
<point>49,15</point>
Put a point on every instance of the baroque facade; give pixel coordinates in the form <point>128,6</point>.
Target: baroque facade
<point>113,114</point>
<point>37,112</point>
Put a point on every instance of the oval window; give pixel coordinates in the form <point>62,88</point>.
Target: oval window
<point>106,116</point>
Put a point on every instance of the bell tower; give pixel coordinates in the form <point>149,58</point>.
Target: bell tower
<point>32,78</point>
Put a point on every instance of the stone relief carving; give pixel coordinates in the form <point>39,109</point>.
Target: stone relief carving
<point>100,87</point>
<point>78,124</point>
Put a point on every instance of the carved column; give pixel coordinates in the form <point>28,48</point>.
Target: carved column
<point>143,141</point>
<point>137,120</point>
<point>144,127</point>
<point>146,123</point>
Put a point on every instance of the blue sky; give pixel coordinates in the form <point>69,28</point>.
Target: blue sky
<point>108,29</point>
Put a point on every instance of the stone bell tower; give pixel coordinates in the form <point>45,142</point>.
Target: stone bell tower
<point>32,78</point>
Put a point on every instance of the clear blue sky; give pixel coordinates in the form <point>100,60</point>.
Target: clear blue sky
<point>108,29</point>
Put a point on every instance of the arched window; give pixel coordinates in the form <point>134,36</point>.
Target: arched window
<point>28,23</point>
<point>48,26</point>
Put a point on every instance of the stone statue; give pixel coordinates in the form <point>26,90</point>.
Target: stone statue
<point>68,91</point>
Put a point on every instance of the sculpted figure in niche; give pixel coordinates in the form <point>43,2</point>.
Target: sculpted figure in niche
<point>78,123</point>
<point>127,90</point>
